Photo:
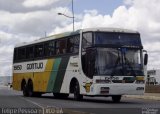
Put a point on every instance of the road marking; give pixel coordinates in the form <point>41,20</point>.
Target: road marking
<point>32,102</point>
<point>37,104</point>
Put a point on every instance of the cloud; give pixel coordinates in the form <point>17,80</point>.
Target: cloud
<point>7,44</point>
<point>23,23</point>
<point>11,5</point>
<point>128,2</point>
<point>38,3</point>
<point>23,6</point>
<point>6,50</point>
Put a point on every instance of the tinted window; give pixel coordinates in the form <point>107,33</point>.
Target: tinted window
<point>30,52</point>
<point>73,44</point>
<point>21,53</point>
<point>61,46</point>
<point>15,54</point>
<point>39,50</point>
<point>49,48</point>
<point>124,39</point>
<point>87,40</point>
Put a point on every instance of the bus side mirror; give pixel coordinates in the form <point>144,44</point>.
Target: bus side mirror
<point>145,59</point>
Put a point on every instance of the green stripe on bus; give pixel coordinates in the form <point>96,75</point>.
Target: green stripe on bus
<point>53,74</point>
<point>60,74</point>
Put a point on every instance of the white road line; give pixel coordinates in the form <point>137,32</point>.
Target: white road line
<point>32,102</point>
<point>37,104</point>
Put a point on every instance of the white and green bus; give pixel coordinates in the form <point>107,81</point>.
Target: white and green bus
<point>87,62</point>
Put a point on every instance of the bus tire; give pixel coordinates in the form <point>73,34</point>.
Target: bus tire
<point>30,88</point>
<point>77,95</point>
<point>61,95</point>
<point>116,98</point>
<point>25,91</point>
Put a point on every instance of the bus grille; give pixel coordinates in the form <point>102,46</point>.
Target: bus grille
<point>125,80</point>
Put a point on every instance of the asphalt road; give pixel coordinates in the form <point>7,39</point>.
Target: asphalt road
<point>12,102</point>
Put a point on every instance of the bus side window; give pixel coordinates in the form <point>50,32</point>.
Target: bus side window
<point>61,46</point>
<point>70,45</point>
<point>57,47</point>
<point>15,54</point>
<point>21,53</point>
<point>29,52</point>
<point>86,41</point>
<point>86,56</point>
<point>73,44</point>
<point>39,51</point>
<point>49,48</point>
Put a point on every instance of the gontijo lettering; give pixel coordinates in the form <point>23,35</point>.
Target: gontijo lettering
<point>35,66</point>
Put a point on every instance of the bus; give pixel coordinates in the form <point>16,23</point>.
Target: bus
<point>108,62</point>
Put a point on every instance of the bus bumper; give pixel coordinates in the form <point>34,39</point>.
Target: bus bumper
<point>117,89</point>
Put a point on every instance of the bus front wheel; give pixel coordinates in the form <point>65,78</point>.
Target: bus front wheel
<point>116,98</point>
<point>77,95</point>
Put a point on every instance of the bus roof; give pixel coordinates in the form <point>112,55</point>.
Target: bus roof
<point>120,30</point>
<point>65,34</point>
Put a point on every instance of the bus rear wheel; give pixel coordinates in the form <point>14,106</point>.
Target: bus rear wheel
<point>77,95</point>
<point>25,91</point>
<point>30,89</point>
<point>116,98</point>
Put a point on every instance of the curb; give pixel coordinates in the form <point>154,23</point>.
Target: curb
<point>72,111</point>
<point>143,97</point>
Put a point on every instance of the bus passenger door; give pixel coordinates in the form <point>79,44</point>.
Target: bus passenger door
<point>88,65</point>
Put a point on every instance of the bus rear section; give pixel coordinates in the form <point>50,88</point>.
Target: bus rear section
<point>41,66</point>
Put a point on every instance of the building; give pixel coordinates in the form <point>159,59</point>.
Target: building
<point>153,77</point>
<point>5,80</point>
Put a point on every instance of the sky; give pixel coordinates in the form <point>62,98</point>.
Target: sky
<point>102,6</point>
<point>28,20</point>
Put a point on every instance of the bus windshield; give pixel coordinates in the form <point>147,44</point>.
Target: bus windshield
<point>118,61</point>
<point>114,54</point>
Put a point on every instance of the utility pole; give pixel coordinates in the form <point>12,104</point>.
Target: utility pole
<point>73,14</point>
<point>69,16</point>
